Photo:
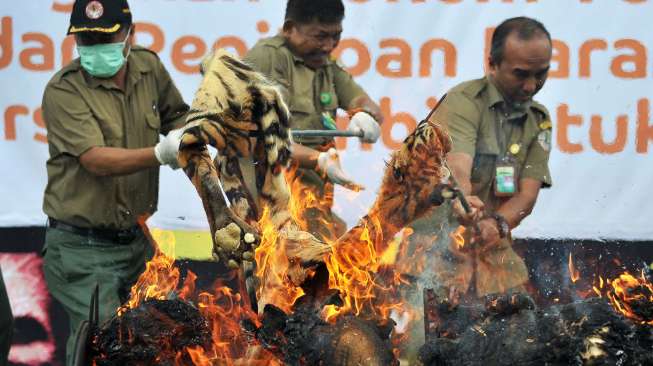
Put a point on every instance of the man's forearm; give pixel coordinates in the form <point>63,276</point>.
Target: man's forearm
<point>518,207</point>
<point>304,156</point>
<point>113,161</point>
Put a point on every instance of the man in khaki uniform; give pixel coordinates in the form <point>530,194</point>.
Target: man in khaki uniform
<point>104,112</point>
<point>315,86</point>
<point>501,145</point>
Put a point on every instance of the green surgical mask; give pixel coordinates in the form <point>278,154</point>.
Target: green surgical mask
<point>103,60</point>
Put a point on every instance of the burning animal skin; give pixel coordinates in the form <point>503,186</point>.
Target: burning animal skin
<point>232,103</point>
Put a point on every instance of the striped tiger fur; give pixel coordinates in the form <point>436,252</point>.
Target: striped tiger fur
<point>232,102</point>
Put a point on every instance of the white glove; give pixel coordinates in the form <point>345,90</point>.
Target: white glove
<point>329,163</point>
<point>362,121</point>
<point>166,150</point>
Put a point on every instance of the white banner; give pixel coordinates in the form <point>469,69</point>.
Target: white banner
<point>405,54</point>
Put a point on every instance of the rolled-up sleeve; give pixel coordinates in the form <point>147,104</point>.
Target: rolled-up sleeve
<point>461,118</point>
<point>72,128</point>
<point>346,88</point>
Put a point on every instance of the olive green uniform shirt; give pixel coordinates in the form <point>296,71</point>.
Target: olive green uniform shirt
<point>307,92</point>
<point>82,112</point>
<point>474,112</point>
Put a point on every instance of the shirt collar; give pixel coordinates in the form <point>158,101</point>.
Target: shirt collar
<point>496,100</point>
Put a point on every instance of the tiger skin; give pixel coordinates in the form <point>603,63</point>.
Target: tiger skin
<point>408,182</point>
<point>232,102</point>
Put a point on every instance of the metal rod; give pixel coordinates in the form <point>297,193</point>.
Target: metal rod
<point>325,133</point>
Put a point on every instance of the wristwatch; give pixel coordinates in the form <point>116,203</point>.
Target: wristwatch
<point>504,228</point>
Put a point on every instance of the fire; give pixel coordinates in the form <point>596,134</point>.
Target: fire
<point>224,310</point>
<point>273,266</point>
<point>573,272</point>
<point>458,237</point>
<point>158,281</point>
<point>629,293</point>
<point>363,269</point>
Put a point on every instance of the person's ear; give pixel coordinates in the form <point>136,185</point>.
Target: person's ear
<point>288,27</point>
<point>492,66</point>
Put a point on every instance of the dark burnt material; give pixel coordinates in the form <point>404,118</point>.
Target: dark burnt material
<point>510,330</point>
<point>151,334</point>
<point>303,338</point>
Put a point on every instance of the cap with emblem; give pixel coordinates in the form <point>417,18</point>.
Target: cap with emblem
<point>105,16</point>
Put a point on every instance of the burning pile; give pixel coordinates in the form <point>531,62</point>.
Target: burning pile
<point>330,303</point>
<point>611,329</point>
<point>509,329</point>
<point>332,308</point>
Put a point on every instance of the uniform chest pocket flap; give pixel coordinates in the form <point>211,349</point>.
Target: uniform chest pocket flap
<point>153,121</point>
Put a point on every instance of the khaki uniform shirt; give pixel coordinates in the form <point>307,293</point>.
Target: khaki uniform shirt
<point>82,112</point>
<point>474,112</point>
<point>307,92</point>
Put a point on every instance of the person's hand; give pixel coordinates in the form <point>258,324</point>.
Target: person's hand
<point>328,163</point>
<point>362,121</point>
<point>467,218</point>
<point>489,233</point>
<point>166,150</point>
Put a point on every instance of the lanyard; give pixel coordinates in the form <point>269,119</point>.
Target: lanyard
<point>500,130</point>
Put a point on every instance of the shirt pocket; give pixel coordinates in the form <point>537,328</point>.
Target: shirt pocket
<point>153,126</point>
<point>111,129</point>
<point>483,169</point>
<point>302,111</point>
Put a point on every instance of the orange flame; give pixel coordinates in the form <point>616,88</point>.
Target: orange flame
<point>628,291</point>
<point>273,267</point>
<point>458,237</point>
<point>223,309</point>
<point>574,274</point>
<point>356,269</point>
<point>158,281</point>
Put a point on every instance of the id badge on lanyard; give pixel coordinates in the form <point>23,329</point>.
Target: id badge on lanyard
<point>505,172</point>
<point>505,177</point>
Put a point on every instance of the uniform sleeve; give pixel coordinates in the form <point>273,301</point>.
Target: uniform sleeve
<point>459,114</point>
<point>270,62</point>
<point>172,108</point>
<point>346,88</point>
<point>536,165</point>
<point>72,128</point>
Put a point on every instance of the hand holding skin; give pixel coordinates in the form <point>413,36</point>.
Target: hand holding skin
<point>166,150</point>
<point>362,121</point>
<point>489,233</point>
<point>467,218</point>
<point>328,162</point>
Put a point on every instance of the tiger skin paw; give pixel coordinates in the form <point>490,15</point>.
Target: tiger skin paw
<point>232,244</point>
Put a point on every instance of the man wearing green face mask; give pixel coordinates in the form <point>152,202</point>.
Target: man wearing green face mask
<point>104,113</point>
